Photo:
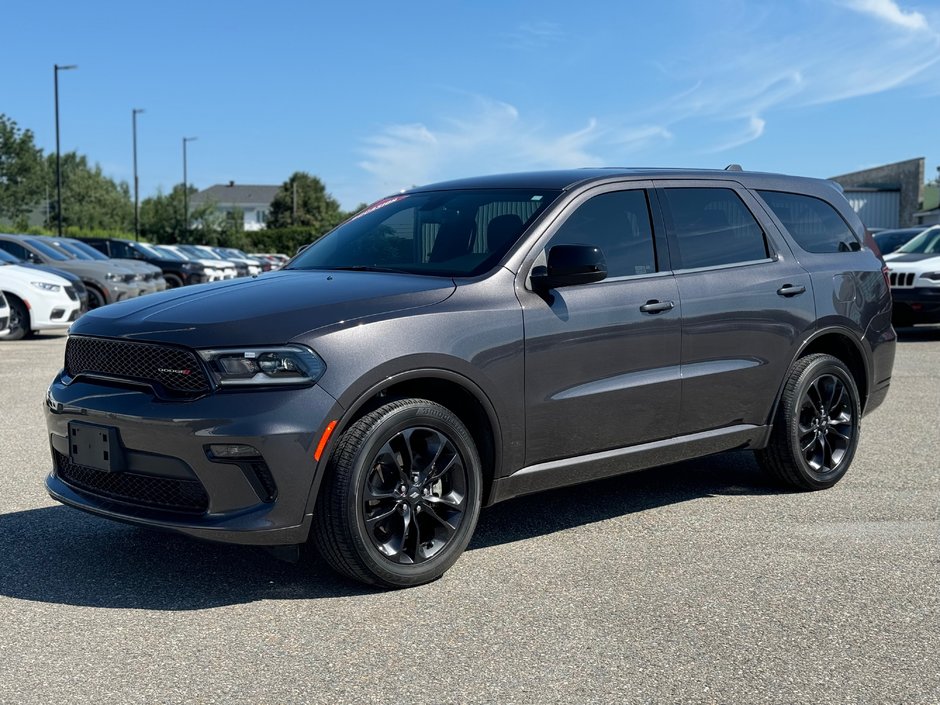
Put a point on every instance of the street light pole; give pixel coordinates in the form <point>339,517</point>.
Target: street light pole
<point>134,113</point>
<point>186,186</point>
<point>58,158</point>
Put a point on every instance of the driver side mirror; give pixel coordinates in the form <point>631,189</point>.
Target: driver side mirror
<point>570,265</point>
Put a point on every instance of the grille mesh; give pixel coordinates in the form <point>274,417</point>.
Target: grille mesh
<point>174,369</point>
<point>166,493</point>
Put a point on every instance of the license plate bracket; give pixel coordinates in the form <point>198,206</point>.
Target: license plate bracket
<point>97,447</point>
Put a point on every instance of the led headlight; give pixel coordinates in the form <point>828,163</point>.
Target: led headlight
<point>46,286</point>
<point>263,366</point>
<point>932,276</point>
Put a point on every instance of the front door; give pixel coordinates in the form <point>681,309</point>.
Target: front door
<point>602,359</point>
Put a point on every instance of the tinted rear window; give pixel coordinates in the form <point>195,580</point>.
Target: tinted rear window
<point>814,224</point>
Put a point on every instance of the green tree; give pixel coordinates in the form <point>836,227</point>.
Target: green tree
<point>161,219</point>
<point>90,200</point>
<point>303,201</point>
<point>21,173</point>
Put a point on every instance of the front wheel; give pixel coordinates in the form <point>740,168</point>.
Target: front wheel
<point>816,428</point>
<point>401,496</point>
<point>19,323</point>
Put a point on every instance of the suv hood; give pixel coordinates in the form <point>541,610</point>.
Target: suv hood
<point>268,310</point>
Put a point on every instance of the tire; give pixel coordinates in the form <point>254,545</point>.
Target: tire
<point>816,426</point>
<point>19,324</point>
<point>388,513</point>
<point>172,281</point>
<point>95,298</point>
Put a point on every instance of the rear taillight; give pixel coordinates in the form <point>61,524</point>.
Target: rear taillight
<point>872,244</point>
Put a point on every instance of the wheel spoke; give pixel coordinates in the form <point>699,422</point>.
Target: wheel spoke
<point>838,393</point>
<point>438,474</point>
<point>446,501</point>
<point>812,442</point>
<point>448,527</point>
<point>373,520</point>
<point>402,549</point>
<point>396,457</point>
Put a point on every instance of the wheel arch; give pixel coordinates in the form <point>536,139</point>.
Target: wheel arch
<point>450,389</point>
<point>842,344</point>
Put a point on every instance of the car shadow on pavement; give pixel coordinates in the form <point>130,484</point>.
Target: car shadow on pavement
<point>60,555</point>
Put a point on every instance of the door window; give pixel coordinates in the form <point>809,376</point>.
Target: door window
<point>712,227</point>
<point>619,224</point>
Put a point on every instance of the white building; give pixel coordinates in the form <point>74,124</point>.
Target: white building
<point>254,201</point>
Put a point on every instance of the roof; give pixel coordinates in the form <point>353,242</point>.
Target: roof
<point>237,194</point>
<point>568,178</point>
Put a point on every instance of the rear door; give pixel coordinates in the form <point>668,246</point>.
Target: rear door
<point>747,304</point>
<point>600,371</point>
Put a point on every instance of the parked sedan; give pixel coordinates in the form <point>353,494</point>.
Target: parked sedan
<point>106,282</point>
<point>37,300</point>
<point>212,269</point>
<point>889,241</point>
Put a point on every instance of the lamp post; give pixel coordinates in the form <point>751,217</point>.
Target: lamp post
<point>134,113</point>
<point>58,159</point>
<point>186,186</point>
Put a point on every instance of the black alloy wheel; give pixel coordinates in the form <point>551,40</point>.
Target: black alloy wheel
<point>95,298</point>
<point>827,424</point>
<point>816,427</point>
<point>401,495</point>
<point>415,495</point>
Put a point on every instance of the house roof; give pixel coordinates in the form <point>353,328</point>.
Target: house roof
<point>237,194</point>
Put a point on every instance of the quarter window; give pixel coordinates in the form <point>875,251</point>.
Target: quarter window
<point>619,224</point>
<point>711,227</point>
<point>814,224</point>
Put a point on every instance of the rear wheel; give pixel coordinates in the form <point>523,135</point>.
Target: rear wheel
<point>816,428</point>
<point>19,320</point>
<point>172,281</point>
<point>401,496</point>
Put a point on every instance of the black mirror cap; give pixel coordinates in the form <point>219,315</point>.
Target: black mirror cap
<point>570,265</point>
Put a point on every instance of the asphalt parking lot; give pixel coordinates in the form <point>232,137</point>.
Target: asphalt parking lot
<point>698,582</point>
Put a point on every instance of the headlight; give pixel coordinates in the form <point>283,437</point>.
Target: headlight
<point>192,267</point>
<point>932,276</point>
<point>291,364</point>
<point>46,287</point>
<point>111,276</point>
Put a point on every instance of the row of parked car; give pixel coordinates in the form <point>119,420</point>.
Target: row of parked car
<point>48,282</point>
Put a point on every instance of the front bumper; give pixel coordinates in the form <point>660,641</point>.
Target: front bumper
<point>920,304</point>
<point>166,476</point>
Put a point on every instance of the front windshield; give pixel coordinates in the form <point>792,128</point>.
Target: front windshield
<point>198,253</point>
<point>69,250</point>
<point>439,233</point>
<point>48,250</point>
<point>154,252</point>
<point>174,254</point>
<point>927,243</point>
<point>85,248</point>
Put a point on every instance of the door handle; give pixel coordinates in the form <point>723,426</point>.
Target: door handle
<point>657,306</point>
<point>790,290</point>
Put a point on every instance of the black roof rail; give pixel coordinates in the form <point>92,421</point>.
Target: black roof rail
<point>733,167</point>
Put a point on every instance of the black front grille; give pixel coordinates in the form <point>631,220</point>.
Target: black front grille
<point>166,493</point>
<point>175,369</point>
<point>902,279</point>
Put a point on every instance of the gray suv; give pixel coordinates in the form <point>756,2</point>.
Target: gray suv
<point>467,342</point>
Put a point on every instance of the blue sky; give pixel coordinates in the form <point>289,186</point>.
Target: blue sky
<point>374,97</point>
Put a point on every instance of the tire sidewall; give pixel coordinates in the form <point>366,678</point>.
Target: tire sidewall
<point>418,415</point>
<point>22,316</point>
<point>818,368</point>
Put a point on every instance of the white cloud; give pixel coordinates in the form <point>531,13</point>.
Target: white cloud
<point>889,11</point>
<point>752,131</point>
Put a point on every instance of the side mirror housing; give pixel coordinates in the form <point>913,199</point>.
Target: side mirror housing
<point>570,265</point>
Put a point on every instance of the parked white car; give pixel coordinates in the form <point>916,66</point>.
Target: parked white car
<point>4,315</point>
<point>914,274</point>
<point>37,300</point>
<point>215,269</point>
